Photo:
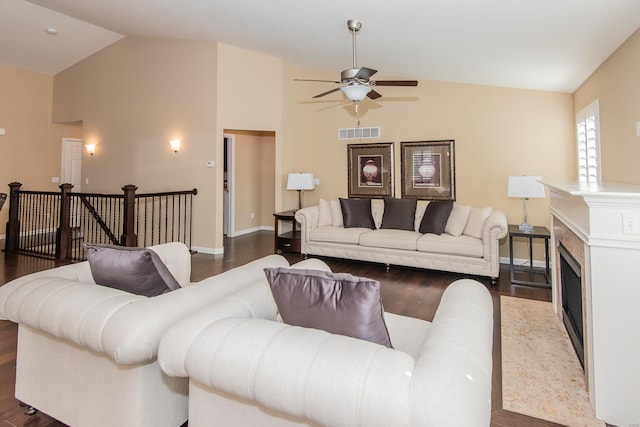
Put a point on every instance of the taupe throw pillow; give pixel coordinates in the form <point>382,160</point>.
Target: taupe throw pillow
<point>399,214</point>
<point>436,216</point>
<point>138,271</point>
<point>338,303</point>
<point>357,213</point>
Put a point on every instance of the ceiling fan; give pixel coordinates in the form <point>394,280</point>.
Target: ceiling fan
<point>356,82</point>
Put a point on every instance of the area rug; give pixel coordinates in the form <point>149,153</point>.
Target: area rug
<point>541,374</point>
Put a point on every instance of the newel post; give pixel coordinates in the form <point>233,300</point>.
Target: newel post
<point>129,237</point>
<point>63,233</point>
<point>12,238</point>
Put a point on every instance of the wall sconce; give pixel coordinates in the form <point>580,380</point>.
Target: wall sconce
<point>91,149</point>
<point>175,145</point>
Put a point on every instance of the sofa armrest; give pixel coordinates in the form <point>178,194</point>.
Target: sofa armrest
<point>308,219</point>
<point>495,228</point>
<point>456,356</point>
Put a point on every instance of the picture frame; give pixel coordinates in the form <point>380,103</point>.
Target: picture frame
<point>428,170</point>
<point>370,170</point>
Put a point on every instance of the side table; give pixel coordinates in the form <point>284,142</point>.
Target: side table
<point>535,233</point>
<point>290,240</point>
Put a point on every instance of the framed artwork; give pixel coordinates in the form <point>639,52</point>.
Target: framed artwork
<point>428,170</point>
<point>370,169</point>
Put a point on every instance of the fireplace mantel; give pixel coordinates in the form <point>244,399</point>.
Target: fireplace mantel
<point>593,220</point>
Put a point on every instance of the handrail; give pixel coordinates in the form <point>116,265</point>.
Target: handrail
<point>55,224</point>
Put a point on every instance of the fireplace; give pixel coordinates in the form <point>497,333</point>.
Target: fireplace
<point>571,284</point>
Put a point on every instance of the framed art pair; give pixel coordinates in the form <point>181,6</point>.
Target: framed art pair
<point>427,170</point>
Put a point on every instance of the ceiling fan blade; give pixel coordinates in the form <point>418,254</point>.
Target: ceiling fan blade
<point>365,73</point>
<point>395,83</point>
<point>373,94</point>
<point>310,80</point>
<point>327,92</point>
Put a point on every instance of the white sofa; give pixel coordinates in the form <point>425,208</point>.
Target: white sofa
<point>87,353</point>
<point>473,249</point>
<point>246,368</point>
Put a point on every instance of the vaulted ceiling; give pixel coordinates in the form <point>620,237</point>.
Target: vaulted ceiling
<point>534,44</point>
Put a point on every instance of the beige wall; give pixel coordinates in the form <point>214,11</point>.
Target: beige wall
<point>249,98</point>
<point>133,97</point>
<point>497,131</point>
<point>616,84</point>
<point>31,150</point>
<point>254,180</point>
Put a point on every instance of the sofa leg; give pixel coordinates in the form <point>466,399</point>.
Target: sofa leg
<point>30,411</point>
<point>494,280</point>
<point>387,267</point>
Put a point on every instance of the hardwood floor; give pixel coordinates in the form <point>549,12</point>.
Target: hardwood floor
<point>407,291</point>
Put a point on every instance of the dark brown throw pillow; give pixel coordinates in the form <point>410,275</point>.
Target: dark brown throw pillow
<point>138,271</point>
<point>357,213</point>
<point>399,214</point>
<point>338,303</point>
<point>436,216</point>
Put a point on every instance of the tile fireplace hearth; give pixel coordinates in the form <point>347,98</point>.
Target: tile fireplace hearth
<point>588,223</point>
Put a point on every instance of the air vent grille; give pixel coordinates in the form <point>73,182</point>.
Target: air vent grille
<point>359,133</point>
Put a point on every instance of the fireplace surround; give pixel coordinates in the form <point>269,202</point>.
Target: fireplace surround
<point>588,223</point>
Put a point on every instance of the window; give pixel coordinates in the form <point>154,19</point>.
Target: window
<point>588,138</point>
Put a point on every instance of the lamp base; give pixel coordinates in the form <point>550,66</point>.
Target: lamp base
<point>525,227</point>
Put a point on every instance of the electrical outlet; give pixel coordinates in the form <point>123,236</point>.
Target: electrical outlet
<point>630,223</point>
<point>253,215</point>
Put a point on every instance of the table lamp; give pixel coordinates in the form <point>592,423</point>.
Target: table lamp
<point>526,187</point>
<point>300,181</point>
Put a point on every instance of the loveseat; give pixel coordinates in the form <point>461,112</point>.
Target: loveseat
<point>248,368</point>
<point>86,353</point>
<point>464,241</point>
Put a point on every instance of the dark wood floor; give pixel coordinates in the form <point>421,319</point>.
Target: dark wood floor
<point>408,291</point>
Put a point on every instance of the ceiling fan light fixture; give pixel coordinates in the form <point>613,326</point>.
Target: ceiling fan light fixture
<point>356,92</point>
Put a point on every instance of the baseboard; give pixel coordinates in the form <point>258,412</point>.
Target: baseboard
<point>252,230</point>
<point>210,251</point>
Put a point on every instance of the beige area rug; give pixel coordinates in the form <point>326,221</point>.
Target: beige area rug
<point>541,374</point>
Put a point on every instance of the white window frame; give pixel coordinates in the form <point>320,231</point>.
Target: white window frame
<point>588,145</point>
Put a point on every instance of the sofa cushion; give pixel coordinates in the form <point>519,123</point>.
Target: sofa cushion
<point>475,222</point>
<point>436,216</point>
<point>457,220</point>
<point>338,303</point>
<point>357,213</point>
<point>336,213</point>
<point>337,234</point>
<point>135,270</point>
<point>324,217</point>
<point>446,244</point>
<point>377,210</point>
<point>390,238</point>
<point>399,214</point>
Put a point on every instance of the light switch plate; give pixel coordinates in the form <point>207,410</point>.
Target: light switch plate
<point>637,128</point>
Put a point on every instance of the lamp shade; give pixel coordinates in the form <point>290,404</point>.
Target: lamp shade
<point>300,181</point>
<point>356,92</point>
<point>525,186</point>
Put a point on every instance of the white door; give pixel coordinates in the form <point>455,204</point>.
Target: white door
<point>72,163</point>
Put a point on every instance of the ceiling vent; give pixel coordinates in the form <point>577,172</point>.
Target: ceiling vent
<point>359,133</point>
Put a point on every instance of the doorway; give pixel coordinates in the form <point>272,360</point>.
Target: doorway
<point>71,171</point>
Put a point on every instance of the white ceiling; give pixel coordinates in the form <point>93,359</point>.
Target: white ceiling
<point>536,44</point>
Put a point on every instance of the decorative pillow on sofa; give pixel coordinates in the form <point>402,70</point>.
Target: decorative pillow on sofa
<point>357,213</point>
<point>138,271</point>
<point>457,220</point>
<point>399,214</point>
<point>436,216</point>
<point>338,303</point>
<point>325,217</point>
<point>475,223</point>
<point>336,213</point>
